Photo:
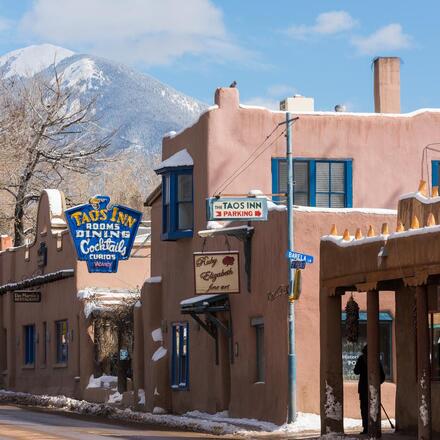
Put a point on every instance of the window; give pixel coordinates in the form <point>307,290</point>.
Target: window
<point>177,196</point>
<point>258,325</point>
<point>61,341</point>
<point>29,344</point>
<point>434,322</point>
<point>45,341</point>
<point>3,349</point>
<point>435,168</point>
<point>180,356</point>
<point>351,351</point>
<point>320,183</point>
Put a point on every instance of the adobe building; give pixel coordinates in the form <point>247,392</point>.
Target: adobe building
<point>406,262</point>
<point>229,352</point>
<point>50,346</point>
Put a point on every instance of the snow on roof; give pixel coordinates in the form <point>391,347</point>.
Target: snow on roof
<point>102,299</point>
<point>198,298</point>
<point>337,239</point>
<point>333,113</point>
<point>377,211</point>
<point>180,159</point>
<point>420,197</point>
<point>154,280</point>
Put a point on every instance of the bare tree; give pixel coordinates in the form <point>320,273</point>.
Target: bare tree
<point>46,134</point>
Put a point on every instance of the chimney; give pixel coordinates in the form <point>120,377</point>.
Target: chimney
<point>387,85</point>
<point>5,242</point>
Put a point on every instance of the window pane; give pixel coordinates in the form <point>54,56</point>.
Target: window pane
<point>301,176</point>
<point>322,177</point>
<point>337,177</point>
<point>184,188</point>
<point>435,329</point>
<point>167,190</point>
<point>337,200</point>
<point>61,340</point>
<point>29,344</point>
<point>259,329</point>
<point>301,199</point>
<point>185,216</point>
<point>183,356</point>
<point>282,176</point>
<point>322,200</point>
<point>351,351</point>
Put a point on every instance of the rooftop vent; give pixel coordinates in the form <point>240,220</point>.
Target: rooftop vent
<point>297,103</point>
<point>340,108</point>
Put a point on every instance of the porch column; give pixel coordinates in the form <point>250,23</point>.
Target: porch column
<point>86,351</point>
<point>332,387</point>
<point>374,414</point>
<point>423,365</point>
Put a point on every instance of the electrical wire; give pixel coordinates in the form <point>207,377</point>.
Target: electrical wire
<point>252,161</point>
<point>221,187</point>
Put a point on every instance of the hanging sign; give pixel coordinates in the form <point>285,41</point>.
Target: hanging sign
<point>27,296</point>
<point>237,208</point>
<point>297,264</point>
<point>296,256</point>
<point>216,272</point>
<point>103,234</point>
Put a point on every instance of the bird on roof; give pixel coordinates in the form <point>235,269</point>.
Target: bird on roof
<point>233,84</point>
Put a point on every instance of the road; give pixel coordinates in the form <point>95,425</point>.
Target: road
<point>29,424</point>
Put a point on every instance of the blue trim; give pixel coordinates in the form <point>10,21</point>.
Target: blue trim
<point>434,172</point>
<point>170,230</point>
<point>348,178</point>
<point>29,344</point>
<point>274,165</point>
<point>383,316</point>
<point>179,370</point>
<point>349,184</point>
<point>312,182</point>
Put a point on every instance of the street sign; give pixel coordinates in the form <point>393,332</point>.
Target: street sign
<point>297,256</point>
<point>237,208</point>
<point>297,264</point>
<point>27,296</point>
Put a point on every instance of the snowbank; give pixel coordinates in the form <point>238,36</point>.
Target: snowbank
<point>217,424</point>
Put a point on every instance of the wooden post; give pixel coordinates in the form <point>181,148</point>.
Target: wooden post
<point>423,365</point>
<point>374,413</point>
<point>332,387</point>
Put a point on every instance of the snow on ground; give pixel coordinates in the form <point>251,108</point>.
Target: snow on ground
<point>102,381</point>
<point>217,424</point>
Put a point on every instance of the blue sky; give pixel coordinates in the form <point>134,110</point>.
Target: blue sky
<point>319,48</point>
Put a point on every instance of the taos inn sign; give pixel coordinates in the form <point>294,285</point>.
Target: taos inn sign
<point>237,208</point>
<point>103,234</point>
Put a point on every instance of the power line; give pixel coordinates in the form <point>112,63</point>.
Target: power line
<point>232,178</point>
<point>234,174</point>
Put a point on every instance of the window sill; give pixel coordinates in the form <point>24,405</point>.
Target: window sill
<point>259,383</point>
<point>60,365</point>
<point>179,388</point>
<point>28,367</point>
<point>176,235</point>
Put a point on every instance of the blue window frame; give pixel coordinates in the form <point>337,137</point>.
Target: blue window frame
<point>177,203</point>
<point>318,182</point>
<point>435,172</point>
<point>61,341</point>
<point>29,344</point>
<point>180,356</point>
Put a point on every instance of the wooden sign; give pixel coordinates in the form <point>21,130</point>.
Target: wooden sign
<point>216,272</point>
<point>27,296</point>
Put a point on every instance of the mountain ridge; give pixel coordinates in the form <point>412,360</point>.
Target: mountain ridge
<point>139,106</point>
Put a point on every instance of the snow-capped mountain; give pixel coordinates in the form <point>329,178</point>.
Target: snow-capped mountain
<point>142,108</point>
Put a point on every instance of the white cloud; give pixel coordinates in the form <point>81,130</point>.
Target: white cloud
<point>327,23</point>
<point>143,31</point>
<point>261,101</point>
<point>390,37</point>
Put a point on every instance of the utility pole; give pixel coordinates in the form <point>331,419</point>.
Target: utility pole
<point>291,415</point>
